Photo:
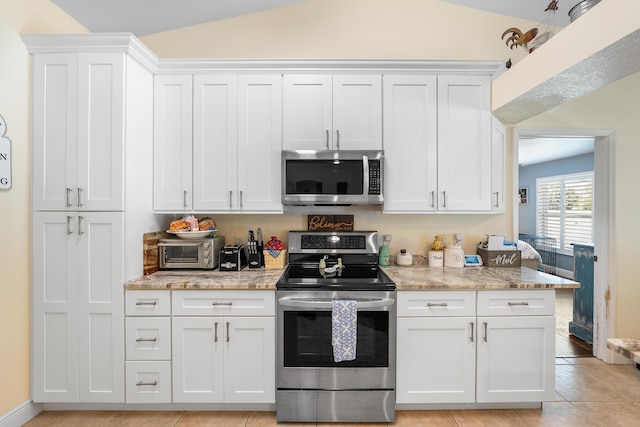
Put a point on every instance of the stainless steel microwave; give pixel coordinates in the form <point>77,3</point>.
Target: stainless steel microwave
<point>190,254</point>
<point>332,177</point>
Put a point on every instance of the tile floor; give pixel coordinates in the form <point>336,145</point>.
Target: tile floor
<point>589,393</point>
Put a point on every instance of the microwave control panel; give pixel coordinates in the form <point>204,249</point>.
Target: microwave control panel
<point>374,176</point>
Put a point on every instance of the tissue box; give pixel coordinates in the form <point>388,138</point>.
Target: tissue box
<point>279,262</point>
<point>504,258</point>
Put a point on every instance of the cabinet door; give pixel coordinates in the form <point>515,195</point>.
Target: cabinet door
<point>516,359</point>
<point>436,360</point>
<point>464,144</point>
<point>259,144</point>
<point>54,341</point>
<point>172,144</point>
<point>249,360</point>
<point>215,141</point>
<point>498,137</point>
<point>197,359</point>
<point>307,112</point>
<point>410,143</point>
<point>357,112</point>
<point>100,154</point>
<point>100,268</point>
<point>55,131</point>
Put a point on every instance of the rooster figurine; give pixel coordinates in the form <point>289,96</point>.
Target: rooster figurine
<point>518,38</point>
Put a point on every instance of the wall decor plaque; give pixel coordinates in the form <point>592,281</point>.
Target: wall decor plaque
<point>330,222</point>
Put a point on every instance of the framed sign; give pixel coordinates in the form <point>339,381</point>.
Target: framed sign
<point>5,157</point>
<point>523,194</point>
<point>330,222</point>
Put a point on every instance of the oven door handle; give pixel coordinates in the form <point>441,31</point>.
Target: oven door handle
<point>327,302</point>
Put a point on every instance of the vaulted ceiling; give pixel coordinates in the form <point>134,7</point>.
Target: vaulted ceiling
<point>142,17</point>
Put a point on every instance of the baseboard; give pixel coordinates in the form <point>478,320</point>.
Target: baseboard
<point>20,414</point>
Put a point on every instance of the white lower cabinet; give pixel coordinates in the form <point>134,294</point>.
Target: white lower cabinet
<point>223,359</point>
<point>450,351</point>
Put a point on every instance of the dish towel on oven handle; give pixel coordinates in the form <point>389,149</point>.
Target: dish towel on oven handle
<point>344,329</point>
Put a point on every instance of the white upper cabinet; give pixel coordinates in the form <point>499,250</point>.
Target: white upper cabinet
<point>411,144</point>
<point>498,138</point>
<point>215,141</point>
<point>332,112</point>
<point>259,142</point>
<point>464,144</point>
<point>172,143</point>
<point>78,156</point>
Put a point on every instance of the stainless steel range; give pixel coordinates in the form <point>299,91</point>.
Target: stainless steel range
<point>311,384</point>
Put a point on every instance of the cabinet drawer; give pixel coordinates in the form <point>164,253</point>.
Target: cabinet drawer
<point>148,382</point>
<point>148,338</point>
<point>223,303</point>
<point>147,303</point>
<point>437,303</point>
<point>517,303</point>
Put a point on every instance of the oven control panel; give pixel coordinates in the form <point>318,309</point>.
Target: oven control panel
<point>349,242</point>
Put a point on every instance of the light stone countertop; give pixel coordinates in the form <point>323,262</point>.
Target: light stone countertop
<point>406,279</point>
<point>473,278</point>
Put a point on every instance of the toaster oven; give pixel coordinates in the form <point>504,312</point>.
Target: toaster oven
<point>190,254</point>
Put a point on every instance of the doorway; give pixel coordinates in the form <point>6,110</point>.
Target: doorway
<point>604,280</point>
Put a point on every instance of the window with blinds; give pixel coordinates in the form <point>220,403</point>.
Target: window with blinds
<point>565,209</point>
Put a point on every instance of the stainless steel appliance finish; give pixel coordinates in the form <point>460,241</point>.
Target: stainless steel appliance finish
<point>332,177</point>
<point>189,254</point>
<point>311,386</point>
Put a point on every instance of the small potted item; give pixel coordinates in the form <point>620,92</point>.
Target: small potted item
<point>436,254</point>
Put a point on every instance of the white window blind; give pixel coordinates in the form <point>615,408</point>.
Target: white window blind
<point>565,209</point>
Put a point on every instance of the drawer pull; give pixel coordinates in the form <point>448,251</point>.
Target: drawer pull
<point>437,304</point>
<point>141,383</point>
<point>146,302</point>
<point>518,303</point>
<point>222,303</point>
<point>146,339</point>
<point>471,336</point>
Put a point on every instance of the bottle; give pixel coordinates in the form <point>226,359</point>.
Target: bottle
<point>384,258</point>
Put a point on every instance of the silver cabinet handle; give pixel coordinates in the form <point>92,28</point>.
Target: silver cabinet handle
<point>518,303</point>
<point>140,383</point>
<point>146,339</point>
<point>215,332</point>
<point>241,206</point>
<point>228,332</point>
<point>337,140</point>
<point>484,338</point>
<point>221,303</point>
<point>230,199</point>
<point>146,302</point>
<point>68,200</point>
<point>327,138</point>
<point>80,204</point>
<point>433,199</point>
<point>184,196</point>
<point>437,304</point>
<point>69,225</point>
<point>444,199</point>
<point>471,336</point>
<point>497,199</point>
<point>80,218</point>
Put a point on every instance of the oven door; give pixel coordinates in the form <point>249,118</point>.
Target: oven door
<point>186,254</point>
<point>305,354</point>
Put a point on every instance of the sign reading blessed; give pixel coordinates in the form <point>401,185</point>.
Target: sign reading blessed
<point>5,157</point>
<point>330,222</point>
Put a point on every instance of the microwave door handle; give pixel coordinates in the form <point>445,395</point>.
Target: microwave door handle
<point>180,243</point>
<point>327,303</point>
<point>365,164</point>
